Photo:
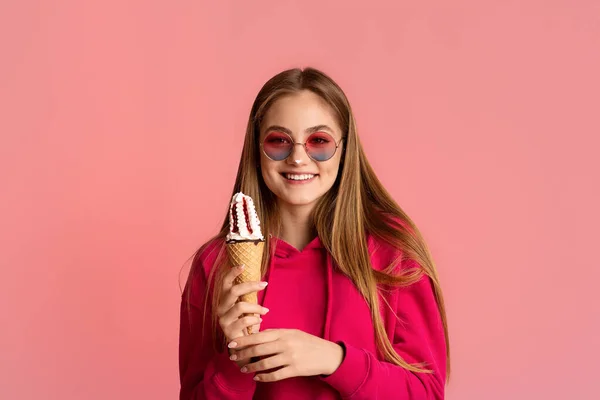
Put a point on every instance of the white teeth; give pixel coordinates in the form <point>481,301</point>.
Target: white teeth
<point>302,177</point>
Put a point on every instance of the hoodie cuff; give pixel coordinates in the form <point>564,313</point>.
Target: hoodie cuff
<point>352,372</point>
<point>228,376</point>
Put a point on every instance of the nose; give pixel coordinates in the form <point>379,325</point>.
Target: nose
<point>298,155</point>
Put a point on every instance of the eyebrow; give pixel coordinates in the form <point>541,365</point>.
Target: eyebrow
<point>312,129</point>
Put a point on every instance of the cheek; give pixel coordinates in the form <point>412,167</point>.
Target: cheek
<point>331,167</point>
<point>268,170</point>
<point>264,163</point>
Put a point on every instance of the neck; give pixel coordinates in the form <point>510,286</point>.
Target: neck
<point>296,225</point>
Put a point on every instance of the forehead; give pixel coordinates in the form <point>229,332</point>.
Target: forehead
<point>300,111</point>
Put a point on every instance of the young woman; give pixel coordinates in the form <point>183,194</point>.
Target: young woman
<point>350,305</point>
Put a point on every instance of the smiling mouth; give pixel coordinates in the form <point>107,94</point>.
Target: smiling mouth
<point>298,177</point>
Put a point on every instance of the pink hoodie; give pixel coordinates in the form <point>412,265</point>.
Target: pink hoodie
<point>307,292</point>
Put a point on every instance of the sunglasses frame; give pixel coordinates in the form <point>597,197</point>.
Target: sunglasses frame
<point>337,144</point>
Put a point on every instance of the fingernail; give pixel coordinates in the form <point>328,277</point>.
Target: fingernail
<point>233,357</point>
<point>263,284</point>
<point>257,378</point>
<point>259,319</point>
<point>244,369</point>
<point>232,345</point>
<point>266,310</point>
<point>241,267</point>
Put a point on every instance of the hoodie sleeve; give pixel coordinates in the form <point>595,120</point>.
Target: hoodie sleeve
<point>205,373</point>
<point>418,337</point>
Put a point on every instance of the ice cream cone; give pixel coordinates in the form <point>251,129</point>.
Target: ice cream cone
<point>249,254</point>
<point>245,243</point>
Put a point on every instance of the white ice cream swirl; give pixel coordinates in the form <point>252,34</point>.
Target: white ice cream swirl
<point>243,225</point>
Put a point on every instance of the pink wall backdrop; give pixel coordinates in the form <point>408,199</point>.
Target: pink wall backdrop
<point>121,126</point>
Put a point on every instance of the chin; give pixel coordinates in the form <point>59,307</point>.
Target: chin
<point>299,201</point>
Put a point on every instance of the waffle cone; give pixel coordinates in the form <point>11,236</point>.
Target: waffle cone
<point>250,255</point>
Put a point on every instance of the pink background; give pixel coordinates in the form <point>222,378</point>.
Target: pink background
<point>122,125</point>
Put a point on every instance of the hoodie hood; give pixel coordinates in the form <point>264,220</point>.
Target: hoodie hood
<point>285,250</point>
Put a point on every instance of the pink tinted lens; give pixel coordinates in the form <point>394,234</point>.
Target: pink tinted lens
<point>320,146</point>
<point>277,146</point>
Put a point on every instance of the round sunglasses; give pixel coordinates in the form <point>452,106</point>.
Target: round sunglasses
<point>320,146</point>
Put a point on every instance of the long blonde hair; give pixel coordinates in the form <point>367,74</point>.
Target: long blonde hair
<point>342,226</point>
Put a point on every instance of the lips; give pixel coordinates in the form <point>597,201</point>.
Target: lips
<point>298,177</point>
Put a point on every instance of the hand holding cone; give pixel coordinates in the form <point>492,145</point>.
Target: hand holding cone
<point>245,243</point>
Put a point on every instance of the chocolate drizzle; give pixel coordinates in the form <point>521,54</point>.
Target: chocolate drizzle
<point>236,228</point>
<point>247,216</point>
<point>255,241</point>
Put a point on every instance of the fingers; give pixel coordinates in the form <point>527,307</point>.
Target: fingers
<point>225,300</point>
<point>247,287</point>
<point>240,309</point>
<point>270,335</point>
<point>230,292</point>
<point>280,374</point>
<point>231,297</point>
<point>265,364</point>
<point>236,317</point>
<point>237,328</point>
<point>230,277</point>
<point>266,349</point>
